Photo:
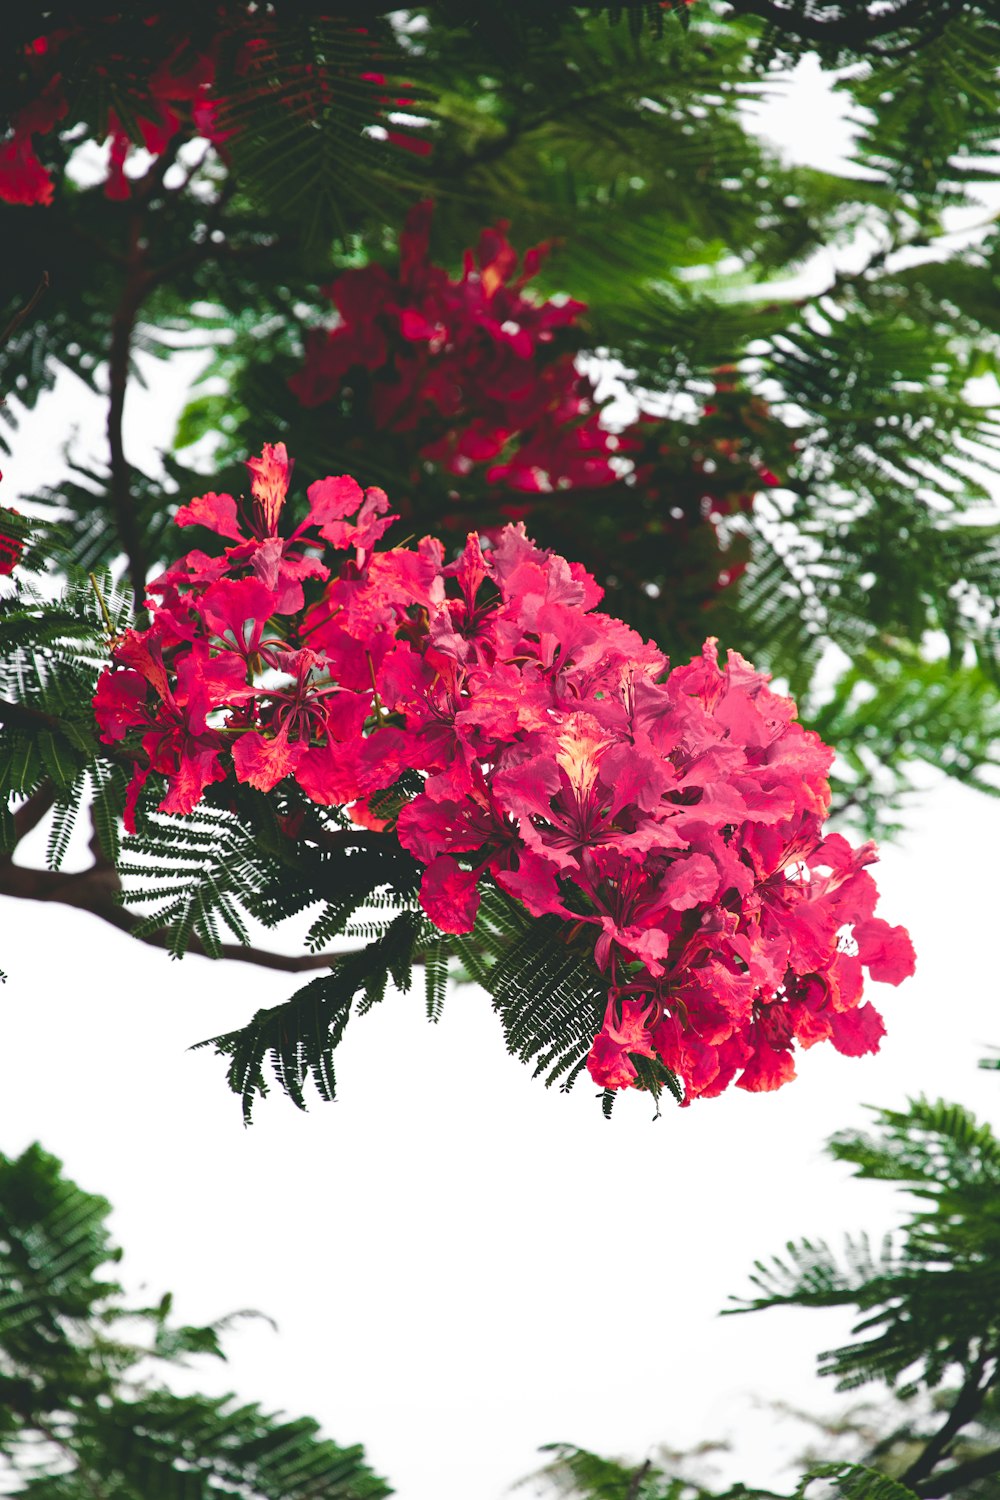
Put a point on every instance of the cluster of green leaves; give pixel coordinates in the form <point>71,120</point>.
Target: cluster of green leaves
<point>840,31</point>
<point>928,1298</point>
<point>577,1474</point>
<point>51,651</point>
<point>235,865</point>
<point>83,1408</point>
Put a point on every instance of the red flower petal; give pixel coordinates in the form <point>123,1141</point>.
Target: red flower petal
<point>215,512</point>
<point>887,952</point>
<point>450,895</point>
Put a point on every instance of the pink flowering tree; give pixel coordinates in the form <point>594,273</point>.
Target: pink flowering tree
<point>442,746</point>
<point>662,905</point>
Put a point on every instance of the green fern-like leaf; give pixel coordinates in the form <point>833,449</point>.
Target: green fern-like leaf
<point>297,1039</point>
<point>854,1482</point>
<point>927,1302</point>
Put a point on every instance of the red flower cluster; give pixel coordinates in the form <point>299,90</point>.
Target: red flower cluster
<point>477,378</point>
<point>174,87</point>
<point>464,366</point>
<point>177,86</point>
<point>673,818</point>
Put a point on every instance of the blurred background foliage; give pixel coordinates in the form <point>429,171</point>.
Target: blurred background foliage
<point>86,1410</point>
<point>926,1330</point>
<point>85,1375</point>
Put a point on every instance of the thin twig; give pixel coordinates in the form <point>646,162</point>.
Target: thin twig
<point>636,1480</point>
<point>22,716</point>
<point>26,311</point>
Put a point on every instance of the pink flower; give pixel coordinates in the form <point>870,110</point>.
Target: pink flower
<point>671,819</point>
<point>608,1061</point>
<point>269,484</point>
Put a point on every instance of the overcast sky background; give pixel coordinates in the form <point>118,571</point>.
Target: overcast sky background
<point>463,1265</point>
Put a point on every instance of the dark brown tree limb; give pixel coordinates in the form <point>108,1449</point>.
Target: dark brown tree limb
<point>950,1480</point>
<point>635,1482</point>
<point>30,814</point>
<point>119,355</point>
<point>205,250</point>
<point>95,891</point>
<point>22,716</point>
<point>965,1406</point>
<point>158,168</point>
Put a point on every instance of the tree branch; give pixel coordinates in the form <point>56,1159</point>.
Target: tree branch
<point>122,329</point>
<point>638,1476</point>
<point>158,168</point>
<point>967,1403</point>
<point>947,1482</point>
<point>207,250</point>
<point>22,716</point>
<point>95,891</point>
<point>30,814</point>
<point>856,32</point>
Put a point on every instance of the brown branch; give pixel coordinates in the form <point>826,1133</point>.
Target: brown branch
<point>95,891</point>
<point>21,716</point>
<point>638,1476</point>
<point>344,838</point>
<point>947,1482</point>
<point>95,243</point>
<point>141,277</point>
<point>30,814</point>
<point>207,250</point>
<point>966,1405</point>
<point>158,168</point>
<point>119,353</point>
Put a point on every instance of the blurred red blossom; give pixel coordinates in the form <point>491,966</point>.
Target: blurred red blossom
<point>176,89</point>
<point>470,389</point>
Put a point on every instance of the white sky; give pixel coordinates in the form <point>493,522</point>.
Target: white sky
<point>464,1266</point>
